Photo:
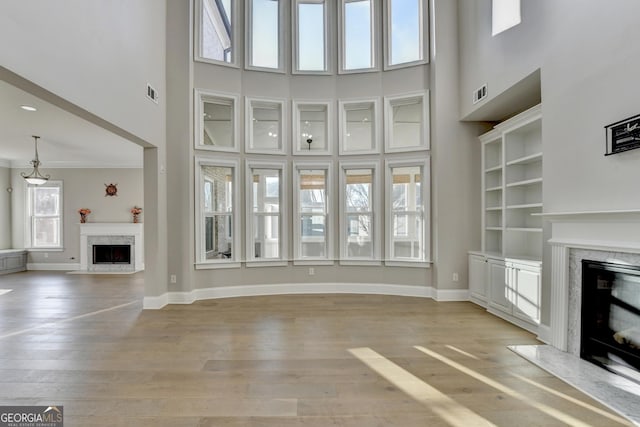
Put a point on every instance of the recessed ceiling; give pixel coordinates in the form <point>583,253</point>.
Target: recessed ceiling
<point>66,140</point>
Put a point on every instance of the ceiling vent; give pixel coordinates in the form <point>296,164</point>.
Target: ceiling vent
<point>480,93</point>
<point>152,94</point>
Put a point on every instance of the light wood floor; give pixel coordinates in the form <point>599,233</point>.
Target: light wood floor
<point>84,342</point>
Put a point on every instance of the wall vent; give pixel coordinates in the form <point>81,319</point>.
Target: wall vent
<point>152,94</point>
<point>480,93</point>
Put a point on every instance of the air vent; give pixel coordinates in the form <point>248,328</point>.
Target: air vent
<point>152,94</point>
<point>480,93</point>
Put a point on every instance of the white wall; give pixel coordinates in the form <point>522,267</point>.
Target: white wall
<point>82,188</point>
<point>5,208</point>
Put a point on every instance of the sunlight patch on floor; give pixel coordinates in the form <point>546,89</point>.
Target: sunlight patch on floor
<point>5,291</point>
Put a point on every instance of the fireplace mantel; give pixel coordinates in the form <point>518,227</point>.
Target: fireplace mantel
<point>607,231</point>
<point>136,230</point>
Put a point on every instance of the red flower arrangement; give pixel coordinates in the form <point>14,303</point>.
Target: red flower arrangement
<point>83,214</point>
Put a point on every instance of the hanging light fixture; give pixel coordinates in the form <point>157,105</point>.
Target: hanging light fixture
<point>35,177</point>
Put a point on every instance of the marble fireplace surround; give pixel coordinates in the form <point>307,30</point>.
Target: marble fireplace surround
<point>113,233</point>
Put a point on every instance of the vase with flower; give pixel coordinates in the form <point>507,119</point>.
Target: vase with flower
<point>83,214</point>
<point>136,211</point>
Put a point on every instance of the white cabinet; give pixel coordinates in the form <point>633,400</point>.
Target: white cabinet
<point>526,281</point>
<point>499,285</point>
<point>478,279</point>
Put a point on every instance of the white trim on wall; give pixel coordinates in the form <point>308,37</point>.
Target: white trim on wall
<point>42,266</point>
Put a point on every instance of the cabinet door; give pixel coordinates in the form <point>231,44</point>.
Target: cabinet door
<point>527,293</point>
<point>499,283</point>
<point>478,277</point>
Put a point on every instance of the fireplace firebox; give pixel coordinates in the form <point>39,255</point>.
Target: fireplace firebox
<point>610,334</point>
<point>112,254</point>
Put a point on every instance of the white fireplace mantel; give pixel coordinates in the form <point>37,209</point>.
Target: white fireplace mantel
<point>112,229</point>
<point>609,231</point>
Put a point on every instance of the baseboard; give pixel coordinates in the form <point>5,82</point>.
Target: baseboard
<point>155,303</point>
<point>544,333</point>
<point>451,295</point>
<point>42,266</point>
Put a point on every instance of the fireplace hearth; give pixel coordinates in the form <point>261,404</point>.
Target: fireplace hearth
<point>610,317</point>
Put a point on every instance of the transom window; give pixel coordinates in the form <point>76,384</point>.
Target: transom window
<point>406,26</point>
<point>310,40</point>
<point>264,44</point>
<point>216,28</point>
<point>44,209</point>
<point>357,35</point>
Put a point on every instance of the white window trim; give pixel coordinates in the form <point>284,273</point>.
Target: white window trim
<point>389,102</point>
<point>328,38</point>
<point>299,150</point>
<point>329,230</point>
<point>283,221</point>
<point>426,208</point>
<point>29,220</point>
<point>248,130</point>
<point>376,213</point>
<point>249,39</point>
<point>200,97</point>
<point>235,33</point>
<point>342,126</point>
<point>424,40</point>
<point>201,262</point>
<point>374,40</point>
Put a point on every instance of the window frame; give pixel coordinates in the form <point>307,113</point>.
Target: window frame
<point>282,214</point>
<point>200,97</point>
<point>342,126</point>
<point>297,258</point>
<point>328,17</point>
<point>390,260</point>
<point>424,37</point>
<point>248,134</point>
<point>376,213</point>
<point>299,149</point>
<point>389,103</point>
<point>235,36</point>
<point>342,39</point>
<point>200,259</point>
<point>248,65</point>
<point>31,217</point>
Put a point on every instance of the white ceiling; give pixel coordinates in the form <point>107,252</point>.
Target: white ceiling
<point>66,140</point>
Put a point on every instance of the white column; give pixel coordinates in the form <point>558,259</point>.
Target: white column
<point>559,296</point>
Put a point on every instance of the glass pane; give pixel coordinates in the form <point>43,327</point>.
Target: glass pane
<point>46,201</point>
<point>266,118</point>
<point>218,124</point>
<point>405,190</point>
<point>46,232</point>
<point>311,37</point>
<point>313,236</point>
<point>359,241</point>
<point>407,236</point>
<point>266,190</point>
<point>264,33</point>
<point>218,193</point>
<point>266,237</point>
<point>359,127</point>
<point>313,127</point>
<point>312,191</point>
<point>406,31</point>
<point>358,190</point>
<point>407,123</point>
<point>357,35</point>
<point>217,39</point>
<point>218,237</point>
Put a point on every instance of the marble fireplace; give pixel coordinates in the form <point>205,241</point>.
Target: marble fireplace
<point>111,247</point>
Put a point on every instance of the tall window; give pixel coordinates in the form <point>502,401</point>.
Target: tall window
<point>217,224</point>
<point>406,122</point>
<point>266,227</point>
<point>406,31</point>
<point>312,224</point>
<point>263,22</point>
<point>407,209</point>
<point>44,207</point>
<point>217,18</point>
<point>357,35</point>
<point>359,224</point>
<point>310,41</point>
<point>216,121</point>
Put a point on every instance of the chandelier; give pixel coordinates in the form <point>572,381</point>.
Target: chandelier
<point>35,177</point>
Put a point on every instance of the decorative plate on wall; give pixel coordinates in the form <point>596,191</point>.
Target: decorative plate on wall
<point>111,190</point>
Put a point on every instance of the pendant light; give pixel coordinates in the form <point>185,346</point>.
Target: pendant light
<point>35,177</point>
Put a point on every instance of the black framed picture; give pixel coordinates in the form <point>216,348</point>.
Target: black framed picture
<point>623,135</point>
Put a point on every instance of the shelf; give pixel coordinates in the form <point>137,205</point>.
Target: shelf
<point>536,157</point>
<point>525,182</point>
<point>527,206</point>
<point>494,189</point>
<point>495,208</point>
<point>493,169</point>
<point>525,229</point>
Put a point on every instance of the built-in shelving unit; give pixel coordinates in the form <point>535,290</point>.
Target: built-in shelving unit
<point>509,266</point>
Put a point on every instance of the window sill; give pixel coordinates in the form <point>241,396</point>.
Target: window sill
<point>313,262</point>
<point>414,264</point>
<point>360,262</point>
<point>278,263</point>
<point>216,62</point>
<point>44,249</point>
<point>217,265</point>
